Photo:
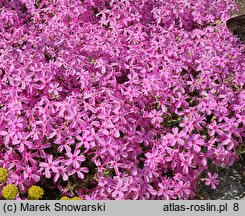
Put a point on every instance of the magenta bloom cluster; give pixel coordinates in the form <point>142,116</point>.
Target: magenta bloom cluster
<point>119,99</point>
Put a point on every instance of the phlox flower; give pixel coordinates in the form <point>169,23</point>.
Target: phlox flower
<point>50,165</point>
<point>182,189</point>
<point>212,180</point>
<point>176,137</point>
<point>79,171</point>
<point>21,142</point>
<point>74,159</point>
<point>31,173</point>
<point>186,162</point>
<point>118,190</point>
<point>195,142</point>
<point>165,190</point>
<point>61,171</point>
<point>155,116</point>
<point>87,140</point>
<point>152,159</point>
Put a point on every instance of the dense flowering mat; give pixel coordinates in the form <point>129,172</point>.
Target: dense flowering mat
<point>117,99</point>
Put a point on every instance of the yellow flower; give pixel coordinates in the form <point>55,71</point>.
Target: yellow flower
<point>35,193</point>
<point>10,191</point>
<point>76,198</point>
<point>3,174</point>
<point>65,198</point>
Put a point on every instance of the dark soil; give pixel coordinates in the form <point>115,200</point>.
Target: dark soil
<point>231,187</point>
<point>241,4</point>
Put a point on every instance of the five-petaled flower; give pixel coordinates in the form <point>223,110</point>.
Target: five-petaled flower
<point>176,137</point>
<point>74,159</point>
<point>50,165</point>
<point>55,89</point>
<point>212,180</point>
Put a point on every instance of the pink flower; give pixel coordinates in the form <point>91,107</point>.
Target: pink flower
<point>30,174</point>
<point>195,142</point>
<point>61,171</point>
<point>153,159</point>
<point>182,189</point>
<point>155,116</point>
<point>74,159</point>
<point>187,125</point>
<point>118,190</point>
<point>165,190</point>
<point>79,171</point>
<point>212,180</point>
<point>87,140</point>
<point>137,99</point>
<point>176,137</point>
<point>186,162</point>
<point>55,89</point>
<point>214,128</point>
<point>50,165</point>
<point>64,144</point>
<point>75,119</point>
<point>19,180</point>
<point>21,142</point>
